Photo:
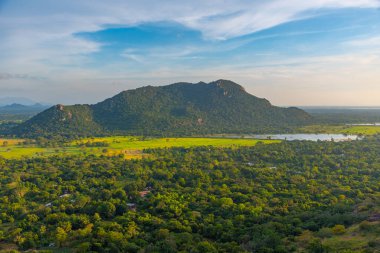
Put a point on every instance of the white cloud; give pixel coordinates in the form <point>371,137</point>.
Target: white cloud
<point>41,29</point>
<point>38,38</point>
<point>347,79</point>
<point>214,18</point>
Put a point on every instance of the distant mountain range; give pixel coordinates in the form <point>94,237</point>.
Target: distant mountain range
<point>178,109</point>
<point>16,100</point>
<point>18,112</point>
<point>18,108</point>
<point>344,114</point>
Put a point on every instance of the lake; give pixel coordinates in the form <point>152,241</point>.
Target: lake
<point>299,137</point>
<point>364,124</point>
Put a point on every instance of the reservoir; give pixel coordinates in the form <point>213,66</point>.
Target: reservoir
<point>299,137</point>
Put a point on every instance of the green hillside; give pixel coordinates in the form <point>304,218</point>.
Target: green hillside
<point>178,109</point>
<point>67,121</point>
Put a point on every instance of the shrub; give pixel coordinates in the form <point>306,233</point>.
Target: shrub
<point>325,232</point>
<point>338,229</point>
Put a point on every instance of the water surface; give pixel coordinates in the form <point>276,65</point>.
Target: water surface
<point>299,137</point>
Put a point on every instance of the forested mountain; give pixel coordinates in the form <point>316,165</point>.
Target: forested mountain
<point>177,109</point>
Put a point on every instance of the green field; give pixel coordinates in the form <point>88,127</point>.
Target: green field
<point>341,129</point>
<point>356,238</point>
<point>130,147</point>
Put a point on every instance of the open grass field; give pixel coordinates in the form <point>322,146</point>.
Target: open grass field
<point>341,129</point>
<point>5,142</point>
<point>355,238</point>
<point>130,147</point>
<point>19,151</point>
<point>135,143</point>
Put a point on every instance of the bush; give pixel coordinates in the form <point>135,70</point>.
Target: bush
<point>316,246</point>
<point>374,243</point>
<point>83,247</point>
<point>366,226</point>
<point>325,232</point>
<point>338,229</point>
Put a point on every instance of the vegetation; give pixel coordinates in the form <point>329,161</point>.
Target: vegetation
<point>7,126</point>
<point>344,115</point>
<point>59,122</point>
<point>128,146</point>
<point>180,109</point>
<point>67,191</point>
<point>282,197</point>
<point>18,112</point>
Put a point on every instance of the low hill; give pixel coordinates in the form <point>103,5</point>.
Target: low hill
<point>177,109</point>
<point>22,109</point>
<point>15,112</point>
<point>16,100</point>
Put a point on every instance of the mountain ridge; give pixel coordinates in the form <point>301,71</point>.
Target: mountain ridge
<point>181,108</point>
<point>4,101</point>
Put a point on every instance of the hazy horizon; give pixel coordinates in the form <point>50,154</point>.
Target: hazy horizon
<point>293,53</point>
<point>46,102</point>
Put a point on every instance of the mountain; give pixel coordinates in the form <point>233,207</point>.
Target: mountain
<point>19,108</point>
<point>177,109</point>
<point>16,100</point>
<point>15,112</point>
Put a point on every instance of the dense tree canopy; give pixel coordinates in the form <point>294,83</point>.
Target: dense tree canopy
<point>268,198</point>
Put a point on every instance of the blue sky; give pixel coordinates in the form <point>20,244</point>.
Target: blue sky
<point>320,52</point>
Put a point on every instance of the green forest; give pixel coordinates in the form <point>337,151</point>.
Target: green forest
<point>299,196</point>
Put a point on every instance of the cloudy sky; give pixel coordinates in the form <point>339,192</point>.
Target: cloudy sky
<point>292,52</point>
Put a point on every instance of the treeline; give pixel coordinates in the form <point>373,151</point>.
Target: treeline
<point>248,199</point>
<point>344,115</point>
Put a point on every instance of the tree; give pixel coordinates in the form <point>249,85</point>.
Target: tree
<point>106,209</point>
<point>60,236</point>
<point>206,247</point>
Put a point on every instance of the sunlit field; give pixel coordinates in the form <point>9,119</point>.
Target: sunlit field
<point>129,147</point>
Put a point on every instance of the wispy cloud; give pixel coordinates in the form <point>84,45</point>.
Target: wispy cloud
<point>253,16</point>
<point>35,34</point>
<point>133,54</point>
<point>371,41</point>
<point>10,76</point>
